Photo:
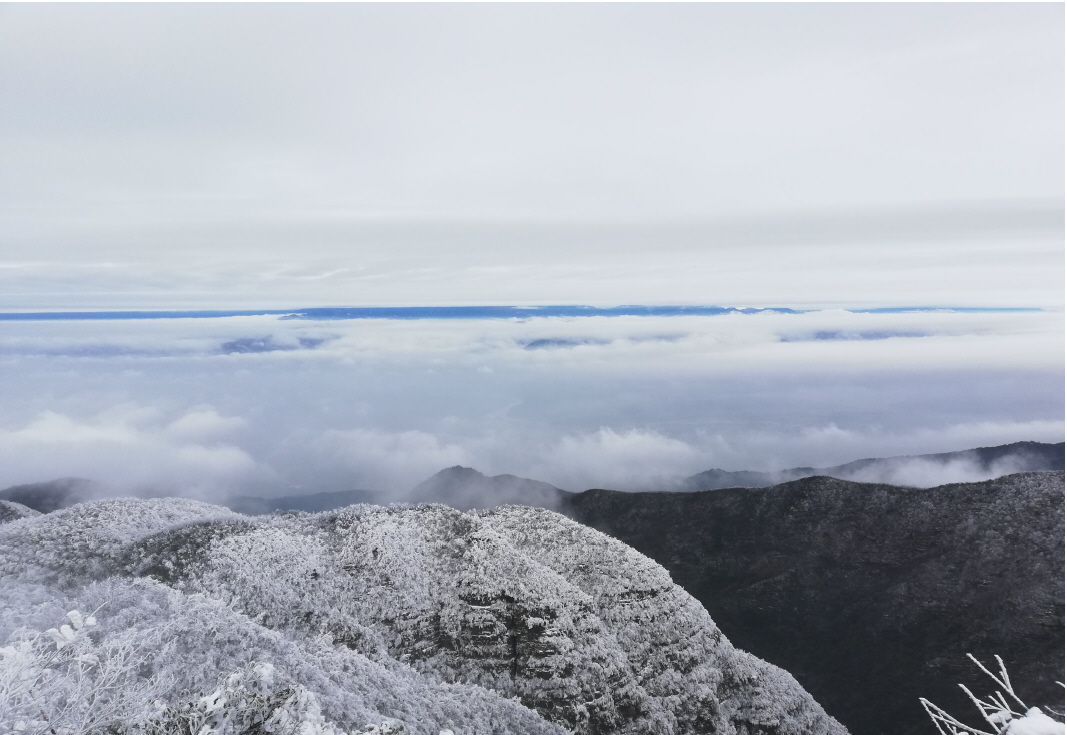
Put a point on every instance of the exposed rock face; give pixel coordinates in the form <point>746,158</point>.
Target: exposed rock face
<point>871,595</point>
<point>582,629</point>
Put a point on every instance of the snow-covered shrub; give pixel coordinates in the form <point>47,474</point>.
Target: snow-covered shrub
<point>1004,711</point>
<point>248,701</point>
<point>386,728</point>
<point>60,681</point>
<point>10,511</point>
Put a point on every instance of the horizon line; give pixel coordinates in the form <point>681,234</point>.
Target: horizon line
<point>478,312</point>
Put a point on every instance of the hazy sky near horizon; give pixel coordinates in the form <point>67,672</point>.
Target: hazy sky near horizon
<point>283,156</point>
<point>158,156</point>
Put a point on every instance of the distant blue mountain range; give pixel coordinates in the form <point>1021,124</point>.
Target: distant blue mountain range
<point>466,312</point>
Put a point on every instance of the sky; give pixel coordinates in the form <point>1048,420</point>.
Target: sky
<point>819,157</point>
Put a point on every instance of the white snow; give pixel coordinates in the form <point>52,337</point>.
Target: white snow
<point>401,619</point>
<point>1035,722</point>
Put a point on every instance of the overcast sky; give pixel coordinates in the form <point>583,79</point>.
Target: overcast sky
<point>815,156</point>
<point>178,155</point>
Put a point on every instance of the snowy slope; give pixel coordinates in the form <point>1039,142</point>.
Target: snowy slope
<point>11,511</point>
<point>423,614</point>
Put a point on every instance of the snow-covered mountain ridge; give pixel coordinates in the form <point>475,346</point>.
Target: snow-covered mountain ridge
<point>422,615</point>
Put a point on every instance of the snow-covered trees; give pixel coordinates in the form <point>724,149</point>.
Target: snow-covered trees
<point>248,701</point>
<point>513,621</point>
<point>1003,710</point>
<point>61,681</point>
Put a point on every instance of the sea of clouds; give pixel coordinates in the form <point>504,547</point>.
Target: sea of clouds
<point>742,155</point>
<point>268,405</point>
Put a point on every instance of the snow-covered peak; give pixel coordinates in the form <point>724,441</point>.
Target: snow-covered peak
<point>519,602</point>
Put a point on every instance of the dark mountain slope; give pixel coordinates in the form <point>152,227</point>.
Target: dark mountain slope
<point>313,503</point>
<point>981,463</point>
<point>464,489</point>
<point>45,497</point>
<point>1038,456</point>
<point>871,595</point>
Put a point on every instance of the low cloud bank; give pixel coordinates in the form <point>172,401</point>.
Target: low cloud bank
<point>712,344</point>
<point>133,450</point>
<point>204,454</point>
<point>384,461</point>
<point>630,403</point>
<point>920,472</point>
<point>623,460</point>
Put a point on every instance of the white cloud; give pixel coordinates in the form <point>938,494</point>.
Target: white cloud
<point>161,156</point>
<point>385,461</point>
<point>928,473</point>
<point>130,449</point>
<point>626,460</point>
<point>647,460</point>
<point>971,261</point>
<point>735,343</point>
<point>199,452</point>
<point>371,164</point>
<point>829,445</point>
<point>203,423</point>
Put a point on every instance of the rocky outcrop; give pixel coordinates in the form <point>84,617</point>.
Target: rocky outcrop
<point>871,595</point>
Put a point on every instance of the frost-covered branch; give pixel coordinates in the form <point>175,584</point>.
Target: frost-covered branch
<point>1000,714</point>
<point>62,682</point>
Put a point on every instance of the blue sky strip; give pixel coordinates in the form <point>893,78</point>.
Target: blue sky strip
<point>470,312</point>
